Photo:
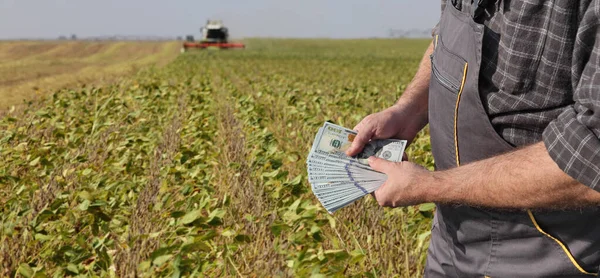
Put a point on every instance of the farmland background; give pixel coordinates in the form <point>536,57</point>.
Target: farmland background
<point>198,167</point>
<point>30,69</point>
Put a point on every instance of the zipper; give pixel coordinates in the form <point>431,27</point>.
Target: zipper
<point>443,80</point>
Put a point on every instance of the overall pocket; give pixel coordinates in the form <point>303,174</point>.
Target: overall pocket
<point>561,249</point>
<point>448,77</point>
<point>447,68</point>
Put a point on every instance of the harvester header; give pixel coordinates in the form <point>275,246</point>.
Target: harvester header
<point>214,34</point>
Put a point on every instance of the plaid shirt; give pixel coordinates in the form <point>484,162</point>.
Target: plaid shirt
<point>540,78</point>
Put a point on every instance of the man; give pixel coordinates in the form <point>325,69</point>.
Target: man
<point>511,92</point>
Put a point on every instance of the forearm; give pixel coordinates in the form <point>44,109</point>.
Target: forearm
<point>526,178</point>
<point>416,93</point>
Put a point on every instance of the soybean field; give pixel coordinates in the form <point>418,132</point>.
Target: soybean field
<point>197,168</point>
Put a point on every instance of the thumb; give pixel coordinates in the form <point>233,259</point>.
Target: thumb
<point>380,164</point>
<point>359,142</point>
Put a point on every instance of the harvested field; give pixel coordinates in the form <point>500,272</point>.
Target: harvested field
<point>28,69</point>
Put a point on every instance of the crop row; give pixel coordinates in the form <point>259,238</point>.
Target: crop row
<point>198,169</point>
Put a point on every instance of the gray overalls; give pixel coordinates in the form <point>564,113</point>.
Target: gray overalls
<point>478,242</point>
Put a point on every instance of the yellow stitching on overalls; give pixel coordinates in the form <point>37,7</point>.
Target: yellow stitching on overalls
<point>564,247</point>
<point>462,86</point>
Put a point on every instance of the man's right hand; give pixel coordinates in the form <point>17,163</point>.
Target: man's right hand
<point>397,122</point>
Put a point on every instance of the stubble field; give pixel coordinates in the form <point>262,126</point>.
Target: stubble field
<point>197,169</point>
<point>30,69</point>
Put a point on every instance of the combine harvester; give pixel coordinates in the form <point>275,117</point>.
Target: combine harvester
<point>214,35</point>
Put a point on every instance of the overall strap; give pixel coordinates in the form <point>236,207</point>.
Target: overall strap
<point>478,7</point>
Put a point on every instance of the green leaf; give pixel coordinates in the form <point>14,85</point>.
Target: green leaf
<point>215,217</point>
<point>271,174</point>
<point>294,206</point>
<point>427,207</point>
<point>42,237</point>
<point>293,157</point>
<point>338,255</point>
<point>162,259</point>
<point>86,172</point>
<point>85,195</point>
<point>145,265</point>
<point>242,238</point>
<point>423,236</point>
<point>98,213</point>
<point>177,214</point>
<point>39,274</point>
<point>228,233</point>
<point>73,268</point>
<point>332,222</point>
<point>357,255</point>
<point>197,245</point>
<point>25,270</point>
<point>175,264</point>
<point>34,162</point>
<point>277,229</point>
<point>249,217</point>
<point>217,213</point>
<point>208,235</point>
<point>84,205</point>
<point>191,216</point>
<point>163,251</point>
<point>296,181</point>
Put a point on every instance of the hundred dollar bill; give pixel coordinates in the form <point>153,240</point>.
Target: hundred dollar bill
<point>336,186</point>
<point>338,180</point>
<point>324,178</point>
<point>342,190</point>
<point>338,195</point>
<point>316,159</point>
<point>334,207</point>
<point>328,203</point>
<point>341,171</point>
<point>341,187</point>
<point>334,140</point>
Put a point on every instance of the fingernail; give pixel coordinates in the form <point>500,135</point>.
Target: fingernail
<point>371,159</point>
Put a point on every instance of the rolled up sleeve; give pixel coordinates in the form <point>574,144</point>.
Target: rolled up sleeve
<point>573,139</point>
<point>575,147</point>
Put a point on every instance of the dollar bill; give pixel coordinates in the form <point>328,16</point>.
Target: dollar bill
<point>334,140</point>
<point>338,180</point>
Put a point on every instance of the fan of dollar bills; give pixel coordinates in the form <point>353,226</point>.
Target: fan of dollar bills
<point>337,179</point>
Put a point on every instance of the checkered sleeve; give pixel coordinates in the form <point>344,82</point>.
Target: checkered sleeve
<point>573,139</point>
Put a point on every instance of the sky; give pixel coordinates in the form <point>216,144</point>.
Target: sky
<point>250,18</point>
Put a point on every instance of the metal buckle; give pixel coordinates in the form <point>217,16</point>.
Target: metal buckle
<point>457,4</point>
<point>481,5</point>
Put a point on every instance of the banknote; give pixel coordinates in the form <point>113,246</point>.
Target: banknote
<point>334,140</point>
<point>338,180</point>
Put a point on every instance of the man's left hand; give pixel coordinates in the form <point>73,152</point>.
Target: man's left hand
<point>406,184</point>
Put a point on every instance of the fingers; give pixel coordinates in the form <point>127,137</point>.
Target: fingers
<point>359,125</point>
<point>381,165</point>
<point>361,139</point>
<point>379,196</point>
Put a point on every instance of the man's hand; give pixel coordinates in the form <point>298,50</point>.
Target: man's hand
<point>527,178</point>
<point>398,122</point>
<point>403,120</point>
<point>406,185</point>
